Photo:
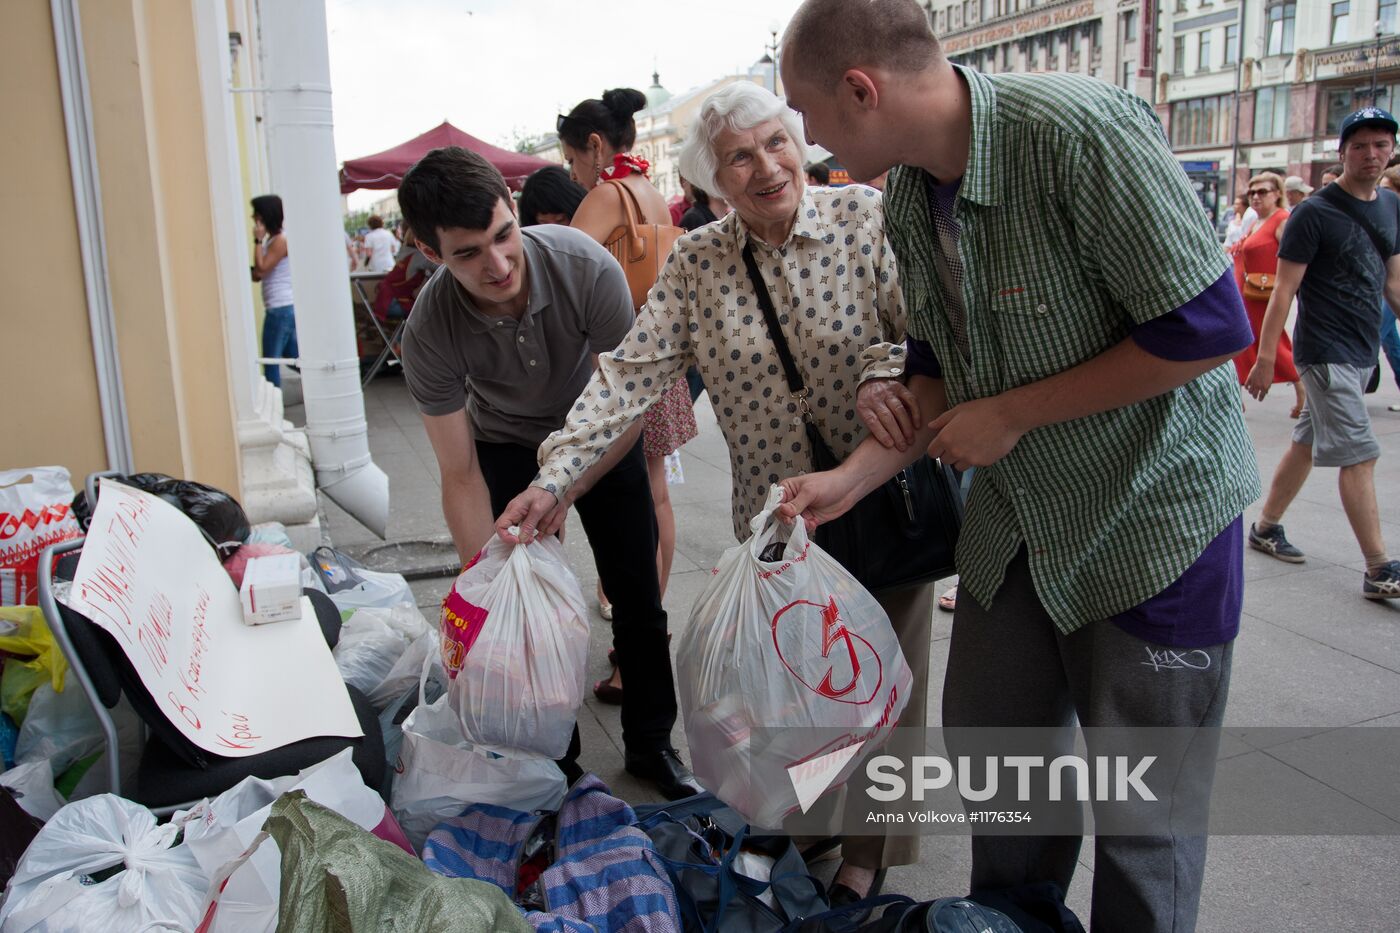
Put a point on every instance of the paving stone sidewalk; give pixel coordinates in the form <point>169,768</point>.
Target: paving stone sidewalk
<point>1311,653</point>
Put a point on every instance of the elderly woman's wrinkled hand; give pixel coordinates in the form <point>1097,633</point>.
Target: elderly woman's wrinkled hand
<point>889,411</point>
<point>535,512</point>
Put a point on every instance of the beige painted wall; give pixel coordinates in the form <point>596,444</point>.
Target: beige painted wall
<point>149,135</point>
<point>48,381</point>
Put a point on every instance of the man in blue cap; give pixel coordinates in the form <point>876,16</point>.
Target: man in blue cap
<point>1340,255</point>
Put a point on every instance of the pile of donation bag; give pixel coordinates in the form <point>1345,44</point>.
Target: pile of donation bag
<point>479,830</point>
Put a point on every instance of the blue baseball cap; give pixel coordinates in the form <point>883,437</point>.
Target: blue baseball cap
<point>1367,116</point>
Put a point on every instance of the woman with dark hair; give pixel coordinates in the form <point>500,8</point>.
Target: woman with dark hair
<point>549,196</point>
<point>596,138</point>
<point>273,269</point>
<point>704,210</point>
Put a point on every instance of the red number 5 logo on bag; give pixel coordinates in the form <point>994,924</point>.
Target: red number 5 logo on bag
<point>848,670</point>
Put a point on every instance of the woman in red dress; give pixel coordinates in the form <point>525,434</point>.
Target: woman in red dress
<point>1258,252</point>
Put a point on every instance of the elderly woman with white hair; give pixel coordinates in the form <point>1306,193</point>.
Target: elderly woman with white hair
<point>823,258</point>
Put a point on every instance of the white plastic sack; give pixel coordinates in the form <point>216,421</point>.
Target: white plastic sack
<point>439,773</point>
<point>60,728</point>
<point>373,642</point>
<point>32,787</point>
<point>52,891</point>
<point>515,643</point>
<point>784,662</point>
<point>35,512</point>
<point>219,831</point>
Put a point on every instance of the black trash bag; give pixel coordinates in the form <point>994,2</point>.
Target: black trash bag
<point>17,830</point>
<point>219,516</point>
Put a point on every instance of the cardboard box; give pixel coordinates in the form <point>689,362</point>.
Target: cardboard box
<point>271,590</point>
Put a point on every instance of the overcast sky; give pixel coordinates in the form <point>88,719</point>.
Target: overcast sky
<point>499,69</point>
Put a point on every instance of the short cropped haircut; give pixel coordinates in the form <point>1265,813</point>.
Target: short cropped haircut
<point>269,208</point>
<point>737,107</point>
<point>549,191</point>
<point>827,38</point>
<point>450,187</point>
<point>820,172</point>
<point>375,222</point>
<point>610,118</point>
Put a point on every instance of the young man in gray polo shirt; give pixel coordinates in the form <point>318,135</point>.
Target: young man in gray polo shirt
<point>502,340</point>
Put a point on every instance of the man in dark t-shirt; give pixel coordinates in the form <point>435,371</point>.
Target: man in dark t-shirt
<point>1340,255</point>
<point>502,340</point>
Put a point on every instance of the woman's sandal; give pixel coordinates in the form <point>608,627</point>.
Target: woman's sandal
<point>949,600</point>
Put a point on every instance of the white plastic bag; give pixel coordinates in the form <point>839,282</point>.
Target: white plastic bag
<point>350,586</point>
<point>515,643</point>
<point>219,831</point>
<point>52,891</point>
<point>439,773</point>
<point>783,663</point>
<point>60,728</point>
<point>373,642</point>
<point>33,516</point>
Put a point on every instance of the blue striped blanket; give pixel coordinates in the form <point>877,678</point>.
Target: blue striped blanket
<point>605,876</point>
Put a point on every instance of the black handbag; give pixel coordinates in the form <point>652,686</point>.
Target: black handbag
<point>903,533</point>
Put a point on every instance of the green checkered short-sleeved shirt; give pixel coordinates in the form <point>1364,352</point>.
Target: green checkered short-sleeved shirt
<point>1077,223</point>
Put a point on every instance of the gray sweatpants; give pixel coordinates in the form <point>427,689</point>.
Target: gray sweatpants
<point>1010,666</point>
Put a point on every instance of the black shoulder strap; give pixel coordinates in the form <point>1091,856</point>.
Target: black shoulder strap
<point>770,316</point>
<point>1345,203</point>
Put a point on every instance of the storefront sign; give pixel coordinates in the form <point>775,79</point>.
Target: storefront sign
<point>1031,23</point>
<point>1359,59</point>
<point>148,577</point>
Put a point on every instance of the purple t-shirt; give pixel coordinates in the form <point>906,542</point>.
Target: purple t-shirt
<point>1202,607</point>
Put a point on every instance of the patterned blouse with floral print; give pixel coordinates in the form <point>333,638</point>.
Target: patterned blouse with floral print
<point>838,300</point>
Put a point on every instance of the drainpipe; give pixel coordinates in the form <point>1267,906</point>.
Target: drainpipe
<point>87,203</point>
<point>302,153</point>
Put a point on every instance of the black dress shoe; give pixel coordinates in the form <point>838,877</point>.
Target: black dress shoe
<point>839,895</point>
<point>665,769</point>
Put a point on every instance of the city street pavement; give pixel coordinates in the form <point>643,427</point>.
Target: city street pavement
<point>1311,653</point>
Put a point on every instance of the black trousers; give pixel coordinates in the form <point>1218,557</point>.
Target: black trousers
<point>620,522</point>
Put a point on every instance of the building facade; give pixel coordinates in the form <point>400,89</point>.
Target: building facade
<point>1241,86</point>
<point>1259,85</point>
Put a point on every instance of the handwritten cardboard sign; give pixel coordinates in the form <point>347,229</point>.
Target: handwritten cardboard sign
<point>148,577</point>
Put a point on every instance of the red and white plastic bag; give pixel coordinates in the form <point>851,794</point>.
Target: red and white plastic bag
<point>515,645</point>
<point>33,515</point>
<point>784,663</point>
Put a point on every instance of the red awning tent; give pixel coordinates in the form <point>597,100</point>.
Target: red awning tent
<point>386,169</point>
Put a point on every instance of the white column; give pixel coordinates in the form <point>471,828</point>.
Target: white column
<point>301,147</point>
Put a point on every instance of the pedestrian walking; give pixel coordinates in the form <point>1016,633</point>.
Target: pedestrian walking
<point>1256,270</point>
<point>1337,258</point>
<point>273,268</point>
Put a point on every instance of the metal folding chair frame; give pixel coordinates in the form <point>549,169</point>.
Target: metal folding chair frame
<point>358,280</point>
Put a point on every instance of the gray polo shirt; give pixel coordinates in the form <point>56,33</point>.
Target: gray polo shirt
<point>518,379</point>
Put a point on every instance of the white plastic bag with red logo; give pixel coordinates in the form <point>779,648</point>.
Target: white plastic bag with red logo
<point>789,674</point>
<point>515,645</point>
<point>33,515</point>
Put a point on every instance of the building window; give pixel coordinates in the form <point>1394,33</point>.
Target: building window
<point>988,9</point>
<point>1203,51</point>
<point>1179,55</point>
<point>1280,19</point>
<point>1129,69</point>
<point>1128,29</point>
<point>1271,112</point>
<point>1386,15</point>
<point>1341,15</point>
<point>1348,100</point>
<point>1181,6</point>
<point>1232,44</point>
<point>1205,121</point>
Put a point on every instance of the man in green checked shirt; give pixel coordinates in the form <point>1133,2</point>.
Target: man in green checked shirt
<point>1070,315</point>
